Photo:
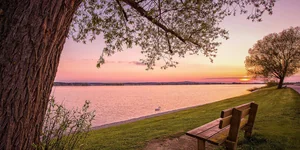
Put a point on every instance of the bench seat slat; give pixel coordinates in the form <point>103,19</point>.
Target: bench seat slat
<point>221,136</point>
<point>211,132</point>
<point>203,128</point>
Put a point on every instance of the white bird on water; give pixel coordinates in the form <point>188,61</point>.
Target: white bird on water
<point>158,108</point>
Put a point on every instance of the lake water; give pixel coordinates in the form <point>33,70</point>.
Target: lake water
<point>119,103</point>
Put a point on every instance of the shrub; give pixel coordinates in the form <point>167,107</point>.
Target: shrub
<point>65,129</point>
<point>272,83</point>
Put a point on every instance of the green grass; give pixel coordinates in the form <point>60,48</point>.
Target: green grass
<point>277,125</point>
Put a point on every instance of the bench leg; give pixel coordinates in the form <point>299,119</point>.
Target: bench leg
<point>230,145</point>
<point>201,144</point>
<point>248,132</point>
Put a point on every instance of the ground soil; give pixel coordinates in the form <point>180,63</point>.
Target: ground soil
<point>183,142</point>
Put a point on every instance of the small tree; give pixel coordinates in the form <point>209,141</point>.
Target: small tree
<point>277,55</point>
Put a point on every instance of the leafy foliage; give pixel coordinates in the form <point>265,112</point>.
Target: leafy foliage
<point>277,55</point>
<point>65,129</point>
<point>162,28</point>
<point>271,83</point>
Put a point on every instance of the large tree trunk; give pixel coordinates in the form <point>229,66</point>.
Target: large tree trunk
<point>280,84</point>
<point>32,35</point>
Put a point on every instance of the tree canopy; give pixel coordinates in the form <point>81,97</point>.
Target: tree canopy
<point>277,55</point>
<point>162,28</point>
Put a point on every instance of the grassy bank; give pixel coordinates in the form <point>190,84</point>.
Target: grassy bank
<point>277,124</point>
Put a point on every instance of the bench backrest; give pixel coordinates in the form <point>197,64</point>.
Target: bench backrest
<point>234,117</point>
<point>226,114</point>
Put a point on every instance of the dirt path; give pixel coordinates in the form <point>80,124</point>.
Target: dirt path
<point>183,142</point>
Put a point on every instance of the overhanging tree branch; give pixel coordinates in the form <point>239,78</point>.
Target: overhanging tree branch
<point>145,14</point>
<point>122,10</point>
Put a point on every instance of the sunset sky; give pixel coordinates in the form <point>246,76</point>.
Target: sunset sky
<point>78,61</point>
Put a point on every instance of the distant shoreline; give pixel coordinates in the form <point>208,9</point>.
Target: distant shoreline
<point>144,83</point>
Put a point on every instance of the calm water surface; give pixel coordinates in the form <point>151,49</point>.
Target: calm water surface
<point>119,103</point>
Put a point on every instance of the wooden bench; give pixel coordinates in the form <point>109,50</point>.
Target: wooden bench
<point>226,128</point>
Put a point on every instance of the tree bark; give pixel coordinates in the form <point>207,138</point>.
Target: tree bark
<point>280,84</point>
<point>32,35</point>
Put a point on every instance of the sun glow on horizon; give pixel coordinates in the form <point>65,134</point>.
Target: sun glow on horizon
<point>245,79</point>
